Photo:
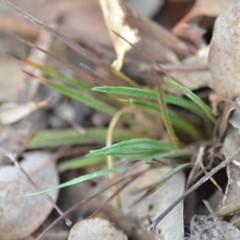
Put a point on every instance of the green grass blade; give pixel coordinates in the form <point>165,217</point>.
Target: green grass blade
<point>176,157</point>
<point>171,173</point>
<point>83,98</point>
<point>185,126</point>
<point>177,121</point>
<point>55,138</point>
<point>184,103</point>
<point>135,147</point>
<point>149,94</point>
<point>165,117</point>
<point>80,162</point>
<point>193,97</point>
<point>128,91</point>
<point>53,73</point>
<point>142,155</point>
<point>82,179</point>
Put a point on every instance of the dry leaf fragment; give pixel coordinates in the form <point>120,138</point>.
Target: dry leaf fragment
<point>146,211</point>
<point>146,8</point>
<point>224,55</point>
<point>194,79</point>
<point>95,229</point>
<point>15,138</point>
<point>13,112</point>
<point>92,31</point>
<point>21,215</point>
<point>211,8</point>
<point>191,32</point>
<point>114,16</point>
<point>203,228</point>
<point>230,203</point>
<point>234,120</point>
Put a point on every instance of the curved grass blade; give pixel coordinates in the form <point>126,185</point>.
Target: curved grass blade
<point>193,97</point>
<point>78,96</point>
<point>80,162</point>
<point>178,156</point>
<point>84,98</point>
<point>72,82</point>
<point>146,93</point>
<point>52,73</point>
<point>55,138</point>
<point>177,121</point>
<point>82,179</point>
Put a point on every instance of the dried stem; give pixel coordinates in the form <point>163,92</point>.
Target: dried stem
<point>111,127</point>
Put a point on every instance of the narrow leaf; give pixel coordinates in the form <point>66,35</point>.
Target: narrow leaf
<point>54,138</point>
<point>149,190</point>
<point>134,146</point>
<point>76,95</point>
<point>80,162</point>
<point>52,73</point>
<point>177,121</point>
<point>193,97</point>
<point>82,179</point>
<point>146,93</point>
<point>84,98</point>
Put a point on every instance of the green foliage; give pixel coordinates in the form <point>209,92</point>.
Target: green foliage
<point>58,138</point>
<point>177,121</point>
<point>135,148</point>
<point>152,95</point>
<point>69,80</point>
<point>128,144</point>
<point>126,147</point>
<point>82,179</point>
<point>84,98</point>
<point>80,162</point>
<point>193,97</point>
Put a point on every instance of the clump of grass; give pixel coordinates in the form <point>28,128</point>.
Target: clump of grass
<point>128,144</point>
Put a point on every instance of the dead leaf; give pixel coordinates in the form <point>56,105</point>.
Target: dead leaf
<point>10,68</point>
<point>191,32</point>
<point>230,203</point>
<point>157,40</point>
<point>194,79</point>
<point>203,228</point>
<point>171,226</point>
<point>227,111</point>
<point>91,30</point>
<point>127,223</point>
<point>114,15</point>
<point>224,55</point>
<point>234,120</point>
<point>211,8</point>
<point>15,137</point>
<point>95,228</point>
<point>21,215</point>
<point>13,112</point>
<point>146,8</point>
